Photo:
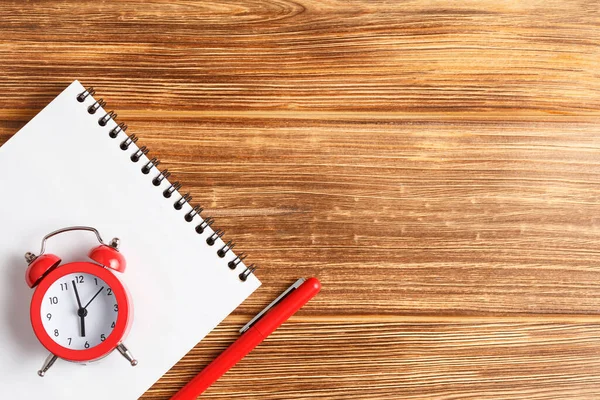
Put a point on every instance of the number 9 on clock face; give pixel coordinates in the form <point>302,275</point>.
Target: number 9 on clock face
<point>79,311</point>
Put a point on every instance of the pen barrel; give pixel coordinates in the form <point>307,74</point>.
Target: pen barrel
<point>250,339</point>
<point>223,363</point>
<point>288,306</point>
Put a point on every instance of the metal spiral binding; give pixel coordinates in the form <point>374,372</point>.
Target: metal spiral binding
<point>238,259</point>
<point>164,174</point>
<point>212,238</point>
<point>169,191</point>
<point>127,142</point>
<point>94,107</point>
<point>189,217</point>
<point>116,130</point>
<point>223,250</point>
<point>148,167</point>
<point>142,151</point>
<point>186,198</point>
<point>204,224</point>
<point>172,188</point>
<point>107,117</point>
<point>249,270</point>
<point>83,95</point>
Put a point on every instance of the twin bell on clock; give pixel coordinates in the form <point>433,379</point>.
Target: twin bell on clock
<point>80,311</point>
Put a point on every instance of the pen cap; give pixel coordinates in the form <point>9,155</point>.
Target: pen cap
<point>288,306</point>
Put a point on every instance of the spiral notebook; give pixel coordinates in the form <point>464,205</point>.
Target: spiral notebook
<point>72,164</point>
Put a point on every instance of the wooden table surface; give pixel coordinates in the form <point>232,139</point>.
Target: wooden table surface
<point>436,164</point>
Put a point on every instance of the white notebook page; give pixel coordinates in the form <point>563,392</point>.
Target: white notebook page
<point>63,169</point>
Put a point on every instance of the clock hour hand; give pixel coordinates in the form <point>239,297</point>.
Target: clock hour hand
<point>81,312</point>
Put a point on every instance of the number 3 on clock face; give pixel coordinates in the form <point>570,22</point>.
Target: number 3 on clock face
<point>62,315</point>
<point>80,312</point>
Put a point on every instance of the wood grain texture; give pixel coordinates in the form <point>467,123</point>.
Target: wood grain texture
<point>413,360</point>
<point>436,164</point>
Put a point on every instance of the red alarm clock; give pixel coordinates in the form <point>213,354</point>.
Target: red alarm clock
<point>80,311</point>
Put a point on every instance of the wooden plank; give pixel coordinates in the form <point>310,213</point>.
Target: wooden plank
<point>308,55</point>
<point>429,216</point>
<point>355,359</point>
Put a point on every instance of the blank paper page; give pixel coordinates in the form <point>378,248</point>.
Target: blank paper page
<point>63,169</point>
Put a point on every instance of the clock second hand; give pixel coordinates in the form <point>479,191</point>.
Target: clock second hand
<point>81,312</point>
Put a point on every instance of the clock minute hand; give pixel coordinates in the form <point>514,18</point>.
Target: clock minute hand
<point>96,295</point>
<point>77,294</point>
<point>81,312</point>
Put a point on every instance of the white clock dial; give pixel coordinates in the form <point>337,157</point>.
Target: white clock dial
<point>84,323</point>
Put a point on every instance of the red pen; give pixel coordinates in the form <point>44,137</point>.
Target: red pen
<point>257,330</point>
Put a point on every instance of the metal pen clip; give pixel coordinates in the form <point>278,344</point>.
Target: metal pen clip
<point>258,316</point>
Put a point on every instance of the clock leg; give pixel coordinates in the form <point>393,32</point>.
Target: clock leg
<point>47,364</point>
<point>127,354</point>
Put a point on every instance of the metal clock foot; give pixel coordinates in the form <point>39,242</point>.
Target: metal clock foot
<point>50,360</point>
<point>127,354</point>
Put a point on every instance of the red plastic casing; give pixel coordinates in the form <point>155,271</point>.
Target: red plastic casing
<point>40,267</point>
<point>120,330</point>
<point>250,339</point>
<point>109,257</point>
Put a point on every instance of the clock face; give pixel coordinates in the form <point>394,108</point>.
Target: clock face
<point>79,311</point>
